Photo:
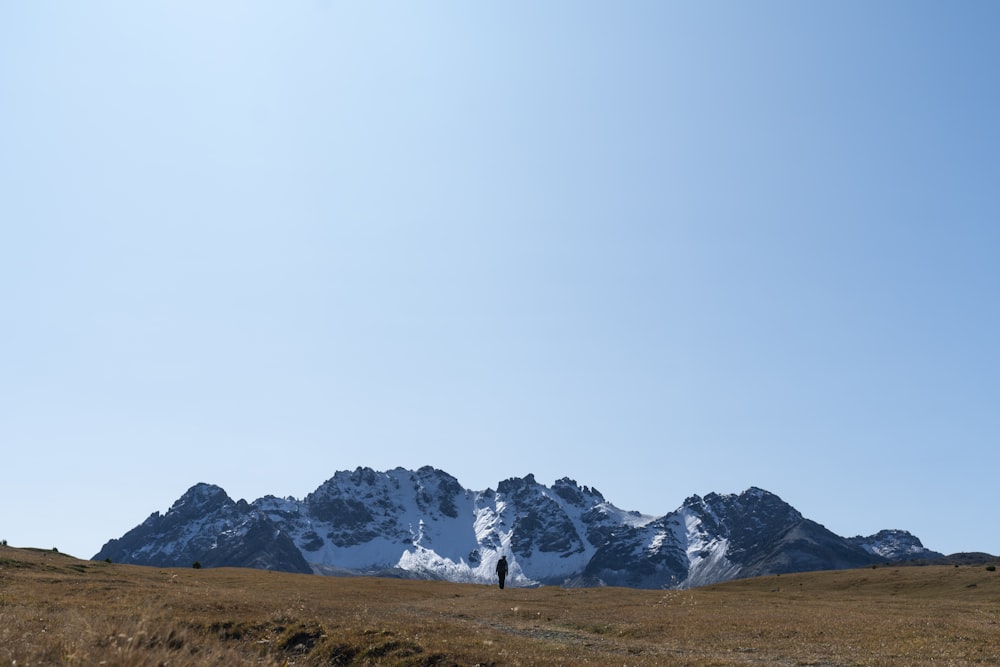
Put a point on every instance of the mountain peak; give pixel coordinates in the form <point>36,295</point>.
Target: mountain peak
<point>894,545</point>
<point>571,492</point>
<point>201,497</point>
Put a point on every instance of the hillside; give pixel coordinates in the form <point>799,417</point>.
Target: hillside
<point>58,610</point>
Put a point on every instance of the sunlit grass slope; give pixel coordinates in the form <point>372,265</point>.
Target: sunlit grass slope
<point>56,610</point>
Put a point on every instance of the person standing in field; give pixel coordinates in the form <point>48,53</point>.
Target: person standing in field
<point>502,569</point>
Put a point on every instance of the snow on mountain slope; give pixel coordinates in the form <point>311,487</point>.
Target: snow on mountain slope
<point>366,519</point>
<point>206,526</point>
<point>423,523</point>
<point>706,551</point>
<point>893,545</point>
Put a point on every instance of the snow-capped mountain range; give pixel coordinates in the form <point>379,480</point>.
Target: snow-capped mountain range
<point>424,524</point>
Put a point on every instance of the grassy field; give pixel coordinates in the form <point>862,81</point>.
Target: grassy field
<point>56,610</point>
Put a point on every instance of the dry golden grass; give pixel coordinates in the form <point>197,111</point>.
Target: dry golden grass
<point>56,610</point>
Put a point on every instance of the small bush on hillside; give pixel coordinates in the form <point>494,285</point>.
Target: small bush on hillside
<point>991,568</point>
<point>196,565</point>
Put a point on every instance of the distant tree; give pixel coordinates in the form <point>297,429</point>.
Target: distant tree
<point>54,550</point>
<point>107,560</point>
<point>196,565</point>
<point>991,568</point>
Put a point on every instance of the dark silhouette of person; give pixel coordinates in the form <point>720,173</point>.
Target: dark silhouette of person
<point>502,569</point>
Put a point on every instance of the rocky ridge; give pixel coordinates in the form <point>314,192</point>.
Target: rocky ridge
<point>424,524</point>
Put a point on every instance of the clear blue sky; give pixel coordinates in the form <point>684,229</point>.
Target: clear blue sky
<point>663,248</point>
